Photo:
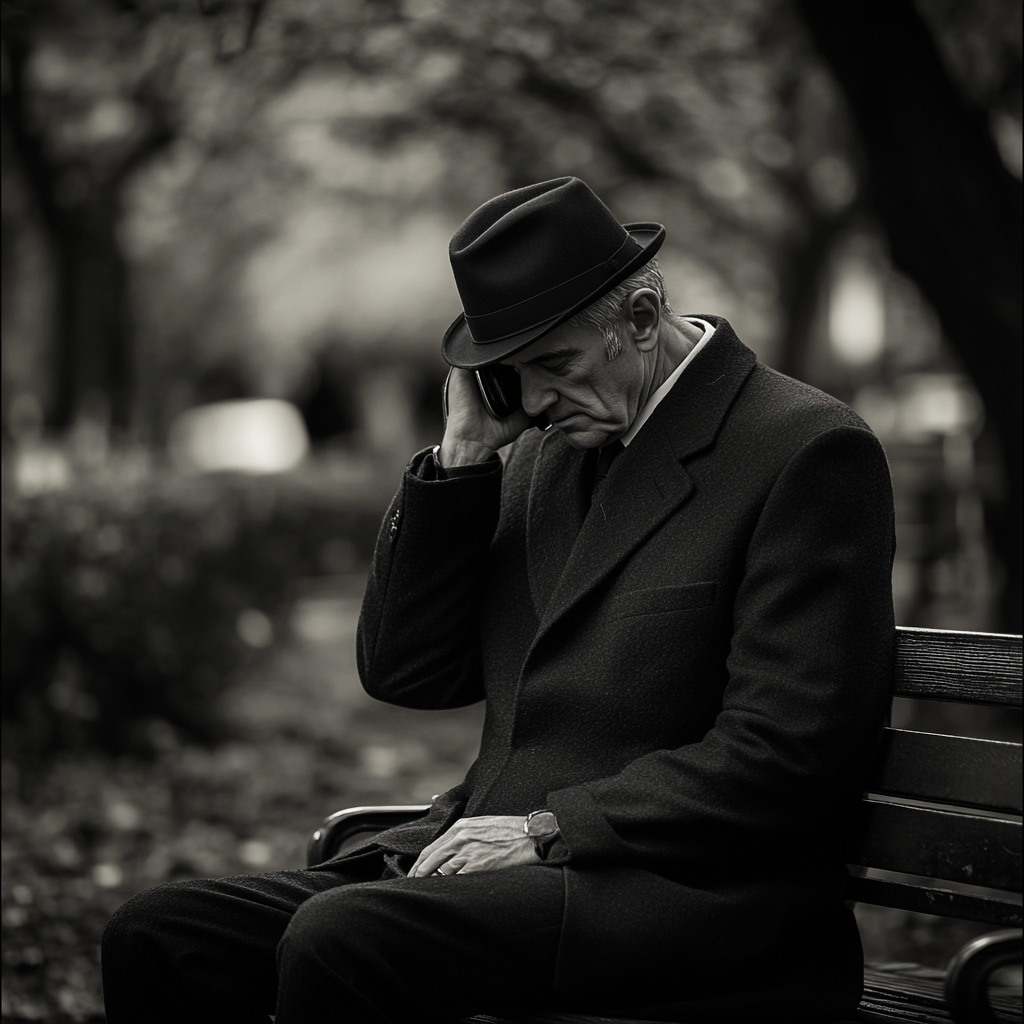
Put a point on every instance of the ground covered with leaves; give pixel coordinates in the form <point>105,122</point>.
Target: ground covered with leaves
<point>84,831</point>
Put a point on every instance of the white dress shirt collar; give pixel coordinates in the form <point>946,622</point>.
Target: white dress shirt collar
<point>652,403</point>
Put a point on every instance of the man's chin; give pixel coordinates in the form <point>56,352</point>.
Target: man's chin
<point>583,435</point>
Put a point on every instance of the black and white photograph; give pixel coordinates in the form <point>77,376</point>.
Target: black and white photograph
<point>511,511</point>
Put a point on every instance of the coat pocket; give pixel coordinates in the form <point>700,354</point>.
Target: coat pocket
<point>662,599</point>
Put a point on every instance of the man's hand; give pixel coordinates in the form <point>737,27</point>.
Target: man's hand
<point>488,843</point>
<point>472,434</point>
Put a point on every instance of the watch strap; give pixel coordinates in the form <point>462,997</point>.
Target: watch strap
<point>542,826</point>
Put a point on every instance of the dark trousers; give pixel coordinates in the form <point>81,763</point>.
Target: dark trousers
<point>337,945</point>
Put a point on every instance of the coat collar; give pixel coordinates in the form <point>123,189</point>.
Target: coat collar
<point>569,550</point>
<point>692,413</point>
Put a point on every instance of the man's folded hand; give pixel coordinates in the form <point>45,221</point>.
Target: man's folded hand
<point>487,843</point>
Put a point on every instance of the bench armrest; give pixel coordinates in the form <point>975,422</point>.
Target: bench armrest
<point>353,824</point>
<point>969,971</point>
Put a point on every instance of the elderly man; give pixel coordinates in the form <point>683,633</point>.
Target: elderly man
<point>675,601</point>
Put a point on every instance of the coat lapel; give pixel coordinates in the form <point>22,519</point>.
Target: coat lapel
<point>557,509</point>
<point>647,483</point>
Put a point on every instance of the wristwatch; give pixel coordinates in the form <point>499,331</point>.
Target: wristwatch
<point>542,827</point>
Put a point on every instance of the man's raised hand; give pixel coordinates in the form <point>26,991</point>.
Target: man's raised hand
<point>487,843</point>
<point>472,434</point>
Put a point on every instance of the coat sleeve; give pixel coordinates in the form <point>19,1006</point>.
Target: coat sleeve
<point>418,641</point>
<point>809,679</point>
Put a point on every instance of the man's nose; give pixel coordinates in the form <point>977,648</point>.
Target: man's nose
<point>537,394</point>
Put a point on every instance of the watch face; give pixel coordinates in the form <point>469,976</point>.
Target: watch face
<point>542,823</point>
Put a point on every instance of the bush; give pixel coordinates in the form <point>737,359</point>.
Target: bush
<point>127,607</point>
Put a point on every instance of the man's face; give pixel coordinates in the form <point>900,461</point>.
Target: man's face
<point>567,376</point>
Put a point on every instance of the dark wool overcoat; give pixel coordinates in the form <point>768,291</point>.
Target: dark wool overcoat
<point>692,672</point>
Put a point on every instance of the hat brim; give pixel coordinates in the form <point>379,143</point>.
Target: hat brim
<point>459,349</point>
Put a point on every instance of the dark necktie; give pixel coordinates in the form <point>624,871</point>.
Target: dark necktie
<point>605,457</point>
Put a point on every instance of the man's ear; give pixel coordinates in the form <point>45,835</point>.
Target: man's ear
<point>643,314</point>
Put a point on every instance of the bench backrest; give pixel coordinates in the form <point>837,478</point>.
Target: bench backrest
<point>941,820</point>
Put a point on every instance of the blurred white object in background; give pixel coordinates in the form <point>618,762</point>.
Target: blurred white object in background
<point>833,181</point>
<point>938,403</point>
<point>325,620</point>
<point>260,435</point>
<point>856,316</point>
<point>255,628</point>
<point>255,853</point>
<point>920,406</point>
<point>41,469</point>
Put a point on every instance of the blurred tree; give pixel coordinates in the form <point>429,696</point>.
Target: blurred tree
<point>716,116</point>
<point>243,180</point>
<point>81,123</point>
<point>91,92</point>
<point>950,208</point>
<point>180,143</point>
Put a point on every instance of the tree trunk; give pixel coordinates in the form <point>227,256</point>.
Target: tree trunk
<point>801,276</point>
<point>92,343</point>
<point>949,207</point>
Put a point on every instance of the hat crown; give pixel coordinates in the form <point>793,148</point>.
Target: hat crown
<point>525,242</point>
<point>528,260</point>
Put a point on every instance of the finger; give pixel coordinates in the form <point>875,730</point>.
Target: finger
<point>468,413</point>
<point>418,868</point>
<point>452,867</point>
<point>424,853</point>
<point>453,843</point>
<point>463,392</point>
<point>442,840</point>
<point>494,856</point>
<point>435,859</point>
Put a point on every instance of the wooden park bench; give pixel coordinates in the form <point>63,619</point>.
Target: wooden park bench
<point>939,833</point>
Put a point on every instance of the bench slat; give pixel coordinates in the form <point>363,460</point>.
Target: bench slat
<point>940,844</point>
<point>882,892</point>
<point>976,668</point>
<point>950,769</point>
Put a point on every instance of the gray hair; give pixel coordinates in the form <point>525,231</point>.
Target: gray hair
<point>605,315</point>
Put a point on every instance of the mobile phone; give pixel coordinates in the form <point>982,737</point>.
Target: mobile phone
<point>500,391</point>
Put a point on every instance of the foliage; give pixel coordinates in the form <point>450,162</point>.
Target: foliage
<point>129,604</point>
<point>269,187</point>
<point>312,156</point>
<point>88,831</point>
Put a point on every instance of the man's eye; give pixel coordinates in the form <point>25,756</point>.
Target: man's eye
<point>555,367</point>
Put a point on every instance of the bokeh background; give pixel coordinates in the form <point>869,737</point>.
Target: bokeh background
<point>225,280</point>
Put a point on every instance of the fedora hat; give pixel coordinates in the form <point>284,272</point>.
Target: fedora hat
<point>528,260</point>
